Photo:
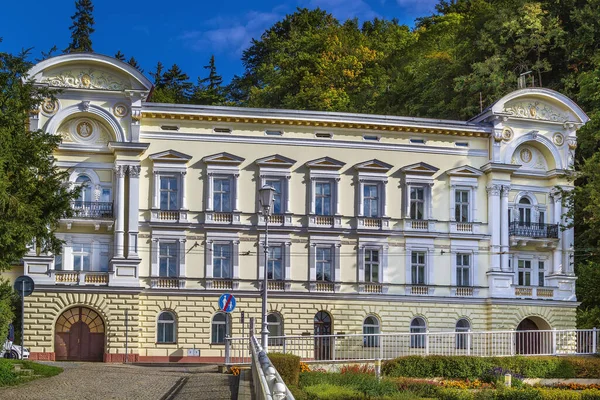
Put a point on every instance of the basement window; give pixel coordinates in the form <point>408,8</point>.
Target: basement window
<point>372,138</point>
<point>461,144</point>
<point>417,141</point>
<point>222,130</point>
<point>324,135</point>
<point>273,133</point>
<point>169,127</point>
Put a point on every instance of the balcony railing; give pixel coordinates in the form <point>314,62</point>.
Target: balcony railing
<point>533,230</point>
<point>92,209</point>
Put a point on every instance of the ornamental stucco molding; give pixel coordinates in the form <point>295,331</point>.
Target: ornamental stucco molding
<point>86,79</point>
<point>537,110</point>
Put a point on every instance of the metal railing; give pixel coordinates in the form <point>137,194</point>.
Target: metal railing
<point>267,382</point>
<point>386,346</point>
<point>92,209</point>
<point>533,230</point>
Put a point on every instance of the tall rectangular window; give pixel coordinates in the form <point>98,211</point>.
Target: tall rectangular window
<point>524,272</point>
<point>541,273</point>
<point>167,266</point>
<point>222,261</point>
<point>82,256</point>
<point>418,267</point>
<point>542,217</point>
<point>461,205</point>
<point>222,194</point>
<point>463,269</point>
<point>417,202</point>
<point>169,193</point>
<point>275,264</point>
<point>371,200</point>
<point>277,198</point>
<point>324,263</point>
<point>372,265</point>
<point>323,198</point>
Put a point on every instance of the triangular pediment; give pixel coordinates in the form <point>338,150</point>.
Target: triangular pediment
<point>465,170</point>
<point>373,166</point>
<point>275,160</point>
<point>325,162</point>
<point>223,158</point>
<point>170,156</point>
<point>420,168</point>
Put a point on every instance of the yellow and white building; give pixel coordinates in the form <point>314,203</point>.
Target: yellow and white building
<point>382,223</point>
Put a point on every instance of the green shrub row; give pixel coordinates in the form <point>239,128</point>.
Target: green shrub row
<point>288,367</point>
<point>462,367</point>
<point>517,394</point>
<point>366,384</point>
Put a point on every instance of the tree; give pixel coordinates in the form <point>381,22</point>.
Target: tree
<point>209,90</point>
<point>172,86</point>
<point>82,28</point>
<point>133,62</point>
<point>120,56</point>
<point>33,196</point>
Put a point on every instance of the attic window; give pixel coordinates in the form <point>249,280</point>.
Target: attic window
<point>373,138</point>
<point>169,127</point>
<point>417,141</point>
<point>324,135</point>
<point>461,144</point>
<point>273,133</point>
<point>221,130</point>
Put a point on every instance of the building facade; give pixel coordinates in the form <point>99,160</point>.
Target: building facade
<point>381,224</point>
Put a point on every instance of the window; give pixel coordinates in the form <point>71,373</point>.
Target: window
<point>82,256</point>
<point>461,144</point>
<point>371,328</point>
<point>167,266</point>
<point>323,198</point>
<point>418,267</point>
<point>219,328</point>
<point>461,205</point>
<point>165,328</point>
<point>417,202</point>
<point>169,193</point>
<point>222,130</point>
<point>222,194</point>
<point>525,211</point>
<point>542,217</point>
<point>273,133</point>
<point>524,272</point>
<point>541,273</point>
<point>277,204</point>
<point>324,135</point>
<point>417,141</point>
<point>463,327</point>
<point>275,264</point>
<point>275,329</point>
<point>372,265</point>
<point>222,261</point>
<point>463,269</point>
<point>324,264</point>
<point>169,127</point>
<point>85,196</point>
<point>418,330</point>
<point>371,200</point>
<point>373,138</point>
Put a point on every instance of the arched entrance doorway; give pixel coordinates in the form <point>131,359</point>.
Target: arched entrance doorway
<point>533,336</point>
<point>79,335</point>
<point>322,340</point>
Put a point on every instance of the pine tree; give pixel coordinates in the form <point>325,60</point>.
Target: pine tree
<point>82,28</point>
<point>133,62</point>
<point>120,56</point>
<point>209,90</point>
<point>157,74</point>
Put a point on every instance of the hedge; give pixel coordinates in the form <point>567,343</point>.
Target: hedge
<point>463,367</point>
<point>288,366</point>
<point>518,394</point>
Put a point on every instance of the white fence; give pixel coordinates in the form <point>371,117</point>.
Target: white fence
<point>385,346</point>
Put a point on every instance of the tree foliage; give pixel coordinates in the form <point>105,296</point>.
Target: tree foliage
<point>209,90</point>
<point>82,28</point>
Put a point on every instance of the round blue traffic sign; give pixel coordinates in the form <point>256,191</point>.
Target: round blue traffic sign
<point>227,302</point>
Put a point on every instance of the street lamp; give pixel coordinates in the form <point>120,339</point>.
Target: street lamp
<point>266,198</point>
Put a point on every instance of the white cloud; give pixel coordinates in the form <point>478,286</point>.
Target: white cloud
<point>345,9</point>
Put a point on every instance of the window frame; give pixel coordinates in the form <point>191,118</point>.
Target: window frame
<point>101,247</point>
<point>371,341</point>
<point>316,196</point>
<point>459,206</point>
<point>461,266</point>
<point>215,257</point>
<point>370,264</point>
<point>172,323</point>
<point>324,242</point>
<point>462,335</point>
<point>417,202</point>
<point>179,240</point>
<point>524,272</point>
<point>229,179</point>
<point>169,192</point>
<point>227,329</point>
<point>166,244</point>
<point>279,325</point>
<point>417,264</point>
<point>378,200</point>
<point>418,333</point>
<point>329,261</point>
<point>216,238</point>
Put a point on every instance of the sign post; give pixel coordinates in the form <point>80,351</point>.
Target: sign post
<point>24,286</point>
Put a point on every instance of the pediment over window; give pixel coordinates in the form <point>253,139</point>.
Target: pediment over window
<point>223,159</point>
<point>373,166</point>
<point>170,156</point>
<point>419,168</point>
<point>276,161</point>
<point>465,170</point>
<point>325,163</point>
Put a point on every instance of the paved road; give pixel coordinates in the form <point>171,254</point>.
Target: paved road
<point>98,381</point>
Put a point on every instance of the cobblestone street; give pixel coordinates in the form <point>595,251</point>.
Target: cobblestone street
<point>96,381</point>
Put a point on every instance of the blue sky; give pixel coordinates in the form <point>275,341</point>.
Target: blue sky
<point>185,32</point>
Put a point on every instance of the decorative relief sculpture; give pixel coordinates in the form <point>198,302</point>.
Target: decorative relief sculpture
<point>529,158</point>
<point>87,79</point>
<point>507,134</point>
<point>536,110</point>
<point>50,107</point>
<point>558,139</point>
<point>84,129</point>
<point>120,110</point>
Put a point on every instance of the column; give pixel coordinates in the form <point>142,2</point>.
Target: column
<point>337,196</point>
<point>120,171</point>
<point>287,194</point>
<point>209,192</point>
<point>361,201</point>
<point>384,198</point>
<point>313,192</point>
<point>429,200</point>
<point>156,191</point>
<point>494,225</point>
<point>504,227</point>
<point>183,197</point>
<point>134,210</point>
<point>567,242</point>
<point>557,256</point>
<point>236,182</point>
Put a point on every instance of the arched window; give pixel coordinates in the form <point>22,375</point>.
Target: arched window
<point>165,329</point>
<point>463,327</point>
<point>219,328</point>
<point>371,328</point>
<point>418,330</point>
<point>275,329</point>
<point>86,189</point>
<point>525,211</point>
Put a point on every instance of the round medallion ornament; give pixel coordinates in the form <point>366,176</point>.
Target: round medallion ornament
<point>526,155</point>
<point>120,110</point>
<point>558,139</point>
<point>49,106</point>
<point>86,80</point>
<point>84,129</point>
<point>507,134</point>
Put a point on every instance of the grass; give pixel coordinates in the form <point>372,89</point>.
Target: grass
<point>9,377</point>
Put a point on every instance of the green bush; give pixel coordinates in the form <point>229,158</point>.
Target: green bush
<point>7,373</point>
<point>326,391</point>
<point>363,383</point>
<point>288,367</point>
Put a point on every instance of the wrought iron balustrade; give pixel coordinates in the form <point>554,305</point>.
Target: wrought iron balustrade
<point>533,229</point>
<point>92,209</point>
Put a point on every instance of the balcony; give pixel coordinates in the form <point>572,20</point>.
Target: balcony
<point>167,283</point>
<point>419,225</point>
<point>534,292</point>
<point>419,290</point>
<point>222,218</point>
<point>324,221</point>
<point>169,215</point>
<point>533,230</point>
<point>373,223</point>
<point>92,209</point>
<point>87,278</point>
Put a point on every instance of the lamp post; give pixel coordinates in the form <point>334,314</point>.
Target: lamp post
<point>266,198</point>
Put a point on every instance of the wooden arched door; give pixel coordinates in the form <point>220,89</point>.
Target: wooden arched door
<point>323,342</point>
<point>79,335</point>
